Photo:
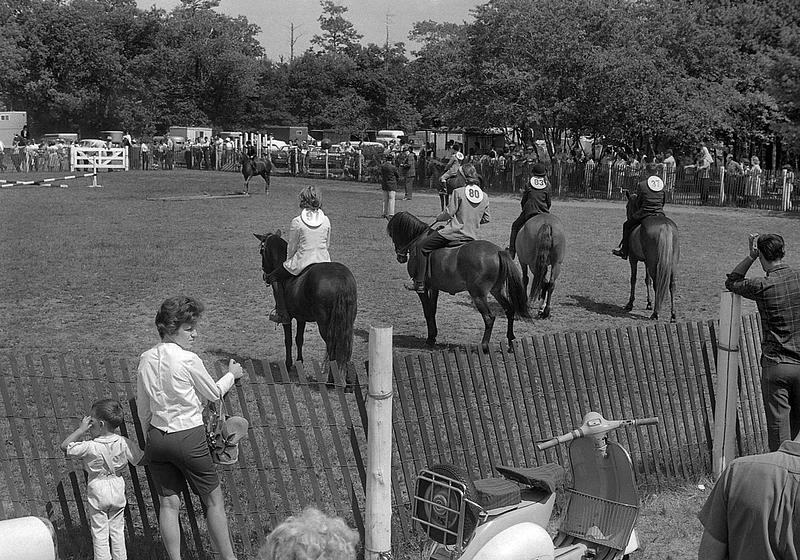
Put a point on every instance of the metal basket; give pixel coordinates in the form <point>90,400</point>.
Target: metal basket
<point>598,520</point>
<point>438,531</point>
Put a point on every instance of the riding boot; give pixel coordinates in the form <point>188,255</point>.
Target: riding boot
<point>279,315</point>
<point>622,250</point>
<point>420,272</point>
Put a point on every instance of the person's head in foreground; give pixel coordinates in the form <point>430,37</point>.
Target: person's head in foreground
<point>312,535</point>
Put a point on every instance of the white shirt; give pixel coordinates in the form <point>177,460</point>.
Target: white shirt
<point>172,386</point>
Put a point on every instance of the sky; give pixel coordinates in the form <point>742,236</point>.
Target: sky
<point>369,17</point>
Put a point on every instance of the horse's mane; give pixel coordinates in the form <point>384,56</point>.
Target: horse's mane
<point>404,227</point>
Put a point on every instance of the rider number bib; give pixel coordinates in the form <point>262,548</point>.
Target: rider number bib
<point>538,182</point>
<point>473,193</point>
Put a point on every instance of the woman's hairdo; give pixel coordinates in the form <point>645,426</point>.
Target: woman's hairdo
<point>176,311</point>
<point>770,245</point>
<point>309,536</point>
<point>109,411</point>
<point>310,198</point>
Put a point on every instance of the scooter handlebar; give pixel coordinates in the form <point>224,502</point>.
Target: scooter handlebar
<point>594,425</point>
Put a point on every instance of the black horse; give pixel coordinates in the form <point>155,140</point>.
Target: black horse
<point>324,293</point>
<point>255,166</point>
<point>478,267</point>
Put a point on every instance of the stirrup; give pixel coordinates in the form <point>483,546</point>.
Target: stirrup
<point>415,286</point>
<point>280,317</point>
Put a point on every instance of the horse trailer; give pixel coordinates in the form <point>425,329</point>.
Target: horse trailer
<point>11,123</point>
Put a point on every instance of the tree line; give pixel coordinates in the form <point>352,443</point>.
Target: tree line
<point>640,74</point>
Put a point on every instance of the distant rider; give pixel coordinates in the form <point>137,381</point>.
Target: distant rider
<point>250,150</point>
<point>467,209</point>
<point>535,200</point>
<point>649,201</point>
<point>450,179</point>
<point>309,239</point>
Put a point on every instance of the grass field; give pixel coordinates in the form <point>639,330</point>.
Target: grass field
<point>84,271</point>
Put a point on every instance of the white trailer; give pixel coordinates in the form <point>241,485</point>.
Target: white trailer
<point>11,122</point>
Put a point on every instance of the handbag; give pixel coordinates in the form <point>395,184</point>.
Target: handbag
<point>223,433</point>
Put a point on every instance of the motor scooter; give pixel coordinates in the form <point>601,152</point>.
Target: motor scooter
<point>506,518</point>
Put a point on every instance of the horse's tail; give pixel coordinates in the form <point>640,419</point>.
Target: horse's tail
<point>665,267</point>
<point>513,286</point>
<point>544,244</point>
<point>340,326</point>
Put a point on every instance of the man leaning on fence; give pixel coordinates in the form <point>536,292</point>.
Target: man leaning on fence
<point>777,296</point>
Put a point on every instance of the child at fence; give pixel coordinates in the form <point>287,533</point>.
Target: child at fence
<point>104,455</point>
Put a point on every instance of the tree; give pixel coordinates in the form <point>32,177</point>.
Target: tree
<point>338,34</point>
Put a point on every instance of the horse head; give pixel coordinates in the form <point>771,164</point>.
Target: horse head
<point>272,250</point>
<point>404,229</point>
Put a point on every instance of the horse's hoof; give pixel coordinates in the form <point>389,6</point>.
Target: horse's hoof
<point>544,314</point>
<point>628,307</point>
<point>649,306</point>
<point>654,316</point>
<point>431,342</point>
<point>672,319</point>
<point>485,347</point>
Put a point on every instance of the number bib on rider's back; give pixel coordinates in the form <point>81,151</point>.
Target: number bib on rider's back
<point>473,193</point>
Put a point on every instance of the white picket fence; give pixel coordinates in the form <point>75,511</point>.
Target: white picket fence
<point>95,159</point>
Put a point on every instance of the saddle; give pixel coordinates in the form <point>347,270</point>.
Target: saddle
<point>492,493</point>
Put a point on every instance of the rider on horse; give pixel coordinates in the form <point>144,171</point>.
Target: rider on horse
<point>467,209</point>
<point>649,201</point>
<point>250,150</point>
<point>309,237</point>
<point>535,200</point>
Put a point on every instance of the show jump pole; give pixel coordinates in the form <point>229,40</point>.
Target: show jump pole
<point>730,319</point>
<point>378,537</point>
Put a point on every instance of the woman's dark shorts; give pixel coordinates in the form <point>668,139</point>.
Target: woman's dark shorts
<point>180,457</point>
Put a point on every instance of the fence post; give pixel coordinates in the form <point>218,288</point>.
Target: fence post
<point>359,156</point>
<point>559,177</point>
<point>721,186</point>
<point>326,164</point>
<point>378,515</point>
<point>727,392</point>
<point>784,194</point>
<point>610,168</point>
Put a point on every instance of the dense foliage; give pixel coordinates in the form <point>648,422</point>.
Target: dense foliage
<point>643,74</point>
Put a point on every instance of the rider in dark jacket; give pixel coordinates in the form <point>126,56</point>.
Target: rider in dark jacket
<point>535,200</point>
<point>649,201</point>
<point>249,150</point>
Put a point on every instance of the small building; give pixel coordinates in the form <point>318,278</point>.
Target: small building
<point>191,133</point>
<point>11,122</point>
<point>287,133</point>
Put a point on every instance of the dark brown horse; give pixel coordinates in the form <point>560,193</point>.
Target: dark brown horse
<point>541,246</point>
<point>252,167</point>
<point>655,243</point>
<point>324,293</point>
<point>477,267</point>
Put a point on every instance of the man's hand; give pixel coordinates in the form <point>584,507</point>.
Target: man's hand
<point>753,245</point>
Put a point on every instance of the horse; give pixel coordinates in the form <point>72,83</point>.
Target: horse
<point>477,267</point>
<point>434,169</point>
<point>541,245</point>
<point>655,243</point>
<point>255,166</point>
<point>324,293</point>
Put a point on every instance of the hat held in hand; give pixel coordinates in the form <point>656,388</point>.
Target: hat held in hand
<point>225,449</point>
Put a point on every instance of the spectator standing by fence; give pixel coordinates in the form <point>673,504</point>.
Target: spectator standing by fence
<point>145,152</point>
<point>753,183</point>
<point>777,296</point>
<point>703,171</point>
<point>408,171</point>
<point>172,386</point>
<point>103,457</point>
<point>389,179</point>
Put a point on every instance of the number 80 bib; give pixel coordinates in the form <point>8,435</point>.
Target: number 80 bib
<point>473,193</point>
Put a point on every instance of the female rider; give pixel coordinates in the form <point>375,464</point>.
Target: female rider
<point>309,238</point>
<point>468,208</point>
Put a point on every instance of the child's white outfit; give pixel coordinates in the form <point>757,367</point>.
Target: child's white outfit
<point>102,458</point>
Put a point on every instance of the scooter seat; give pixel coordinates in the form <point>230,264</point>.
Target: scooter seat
<point>547,477</point>
<point>491,493</point>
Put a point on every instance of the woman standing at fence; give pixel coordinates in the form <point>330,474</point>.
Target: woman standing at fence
<point>172,387</point>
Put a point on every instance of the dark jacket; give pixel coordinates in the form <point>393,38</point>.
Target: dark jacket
<point>535,201</point>
<point>389,176</point>
<point>648,202</point>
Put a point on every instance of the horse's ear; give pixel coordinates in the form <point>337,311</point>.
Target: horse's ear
<point>278,232</point>
<point>260,237</point>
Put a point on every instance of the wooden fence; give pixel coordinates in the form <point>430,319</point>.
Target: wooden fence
<point>307,442</point>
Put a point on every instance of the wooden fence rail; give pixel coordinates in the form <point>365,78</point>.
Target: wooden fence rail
<point>307,441</point>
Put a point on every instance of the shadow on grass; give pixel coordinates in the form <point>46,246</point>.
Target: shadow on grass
<point>599,307</point>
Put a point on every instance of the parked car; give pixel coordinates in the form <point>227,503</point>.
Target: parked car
<point>315,158</point>
<point>92,143</point>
